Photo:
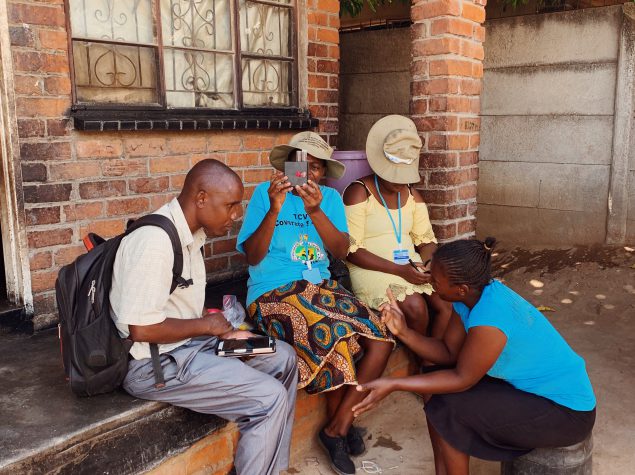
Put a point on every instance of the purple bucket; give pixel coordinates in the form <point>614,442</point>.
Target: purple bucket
<point>356,167</point>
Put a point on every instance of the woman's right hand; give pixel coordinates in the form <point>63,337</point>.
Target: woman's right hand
<point>278,188</point>
<point>414,276</point>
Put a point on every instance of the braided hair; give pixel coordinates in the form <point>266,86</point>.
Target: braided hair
<point>467,261</point>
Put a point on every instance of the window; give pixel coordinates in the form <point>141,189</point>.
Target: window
<point>204,56</point>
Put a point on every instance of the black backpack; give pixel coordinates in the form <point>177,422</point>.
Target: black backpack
<point>95,357</point>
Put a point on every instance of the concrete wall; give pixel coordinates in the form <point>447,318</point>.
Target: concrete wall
<point>374,81</point>
<point>549,95</point>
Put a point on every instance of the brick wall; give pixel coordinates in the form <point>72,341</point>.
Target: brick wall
<point>75,182</point>
<point>447,69</point>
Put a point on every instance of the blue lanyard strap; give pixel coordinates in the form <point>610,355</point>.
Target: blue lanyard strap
<point>392,221</point>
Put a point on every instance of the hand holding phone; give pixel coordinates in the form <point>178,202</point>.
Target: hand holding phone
<point>297,172</point>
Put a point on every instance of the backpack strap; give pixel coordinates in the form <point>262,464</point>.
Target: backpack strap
<point>177,279</point>
<point>168,226</point>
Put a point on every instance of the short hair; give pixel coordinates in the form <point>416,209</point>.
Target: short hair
<point>467,261</point>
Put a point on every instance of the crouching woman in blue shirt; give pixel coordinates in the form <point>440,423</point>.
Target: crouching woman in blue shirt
<point>513,383</point>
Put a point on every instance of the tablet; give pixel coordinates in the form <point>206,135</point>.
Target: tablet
<point>259,345</point>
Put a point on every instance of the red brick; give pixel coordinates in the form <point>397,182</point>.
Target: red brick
<point>44,151</point>
<point>258,142</point>
<point>58,127</point>
<point>470,87</point>
<point>57,85</point>
<point>468,158</point>
<point>98,148</point>
<point>438,160</point>
<point>42,106</point>
<point>224,141</point>
<point>22,36</point>
<point>419,67</point>
<point>224,246</point>
<point>473,12</point>
<point>67,255</point>
<point>418,107</point>
<point>73,170</point>
<point>453,67</point>
<point>84,211</point>
<point>317,49</point>
<point>436,123</point>
<point>30,128</point>
<point>243,159</point>
<point>475,140</point>
<point>104,228</point>
<point>479,33</point>
<point>53,39</point>
<point>41,260</point>
<point>438,196</point>
<point>188,143</point>
<point>444,231</point>
<point>447,212</point>
<point>237,261</point>
<point>42,281</point>
<point>431,9</point>
<point>39,216</point>
<point>449,177</point>
<point>36,14</point>
<point>128,167</point>
<point>334,21</point>
<point>34,172</point>
<point>47,193</point>
<point>127,206</point>
<point>26,85</point>
<point>328,66</point>
<point>102,189</point>
<point>170,164</point>
<point>256,175</point>
<point>454,26</point>
<point>32,61</point>
<point>51,237</point>
<point>149,185</point>
<point>332,6</point>
<point>44,303</point>
<point>216,264</point>
<point>467,192</point>
<point>327,96</point>
<point>466,226</point>
<point>176,182</point>
<point>143,146</point>
<point>469,124</point>
<point>156,201</point>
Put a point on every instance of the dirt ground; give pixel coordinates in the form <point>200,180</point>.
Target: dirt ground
<point>589,295</point>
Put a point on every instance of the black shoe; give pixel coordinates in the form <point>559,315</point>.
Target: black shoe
<point>355,442</point>
<point>337,450</point>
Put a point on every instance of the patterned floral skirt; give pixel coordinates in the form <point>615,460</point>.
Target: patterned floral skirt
<point>323,323</point>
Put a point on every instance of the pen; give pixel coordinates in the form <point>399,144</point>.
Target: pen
<point>412,263</point>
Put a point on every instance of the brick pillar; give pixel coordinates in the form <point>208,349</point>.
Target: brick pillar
<point>323,64</point>
<point>447,70</point>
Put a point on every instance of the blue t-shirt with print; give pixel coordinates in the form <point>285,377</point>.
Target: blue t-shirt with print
<point>536,358</point>
<point>294,239</point>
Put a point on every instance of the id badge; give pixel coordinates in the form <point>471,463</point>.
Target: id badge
<point>312,275</point>
<point>400,256</point>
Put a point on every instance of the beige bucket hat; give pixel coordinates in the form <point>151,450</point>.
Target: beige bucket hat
<point>314,145</point>
<point>392,148</point>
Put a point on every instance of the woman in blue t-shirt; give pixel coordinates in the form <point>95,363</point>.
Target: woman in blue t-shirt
<point>285,237</point>
<point>511,382</point>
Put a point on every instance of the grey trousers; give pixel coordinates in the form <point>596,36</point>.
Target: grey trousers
<point>258,394</point>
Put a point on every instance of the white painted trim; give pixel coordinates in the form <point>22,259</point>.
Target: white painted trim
<point>12,218</point>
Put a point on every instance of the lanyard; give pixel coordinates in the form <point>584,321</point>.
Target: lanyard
<point>392,221</point>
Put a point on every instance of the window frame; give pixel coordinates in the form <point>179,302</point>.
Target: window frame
<point>160,111</point>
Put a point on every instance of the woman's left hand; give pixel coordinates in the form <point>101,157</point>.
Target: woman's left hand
<point>379,389</point>
<point>311,196</point>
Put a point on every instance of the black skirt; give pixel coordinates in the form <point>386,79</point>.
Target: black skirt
<point>495,421</point>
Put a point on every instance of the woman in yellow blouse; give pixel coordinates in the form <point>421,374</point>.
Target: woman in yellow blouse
<point>391,236</point>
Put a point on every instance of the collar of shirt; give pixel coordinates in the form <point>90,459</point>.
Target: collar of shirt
<point>185,235</point>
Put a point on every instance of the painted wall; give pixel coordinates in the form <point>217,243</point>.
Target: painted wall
<point>547,127</point>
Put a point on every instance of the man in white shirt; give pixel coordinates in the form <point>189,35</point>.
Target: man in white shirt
<point>259,393</point>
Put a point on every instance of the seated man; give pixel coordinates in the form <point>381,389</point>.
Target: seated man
<point>259,393</point>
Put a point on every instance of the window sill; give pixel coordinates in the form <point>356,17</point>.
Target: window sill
<point>104,120</point>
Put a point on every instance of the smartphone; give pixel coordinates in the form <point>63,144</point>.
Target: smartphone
<point>258,345</point>
<point>297,172</point>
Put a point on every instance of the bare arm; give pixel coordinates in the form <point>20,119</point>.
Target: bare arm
<point>480,351</point>
<point>172,330</point>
